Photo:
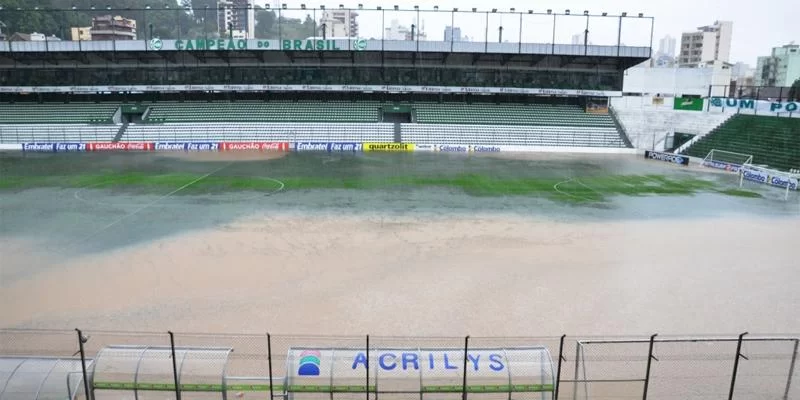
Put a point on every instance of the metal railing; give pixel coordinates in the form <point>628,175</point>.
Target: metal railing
<point>656,367</point>
<point>419,24</point>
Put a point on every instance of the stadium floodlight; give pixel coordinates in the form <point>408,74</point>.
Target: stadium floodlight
<point>396,7</point>
<point>513,9</point>
<point>605,14</point>
<point>585,12</point>
<point>322,7</point>
<point>73,7</point>
<point>303,6</point>
<point>641,15</point>
<point>624,14</point>
<point>266,6</point>
<point>108,7</point>
<point>530,11</point>
<point>283,6</point>
<point>360,6</point>
<point>549,11</point>
<point>435,8</point>
<point>416,8</point>
<point>494,10</point>
<point>566,11</point>
<point>341,6</point>
<point>380,8</point>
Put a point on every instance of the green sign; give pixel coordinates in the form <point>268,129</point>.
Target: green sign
<point>218,44</point>
<point>309,45</point>
<point>688,104</point>
<point>397,109</point>
<point>133,109</point>
<point>229,44</point>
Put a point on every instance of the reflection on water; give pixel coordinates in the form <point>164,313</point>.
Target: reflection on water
<point>397,261</point>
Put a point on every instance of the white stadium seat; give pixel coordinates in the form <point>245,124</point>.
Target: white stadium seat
<point>24,133</point>
<point>255,131</point>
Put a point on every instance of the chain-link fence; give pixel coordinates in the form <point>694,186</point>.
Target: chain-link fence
<point>44,364</point>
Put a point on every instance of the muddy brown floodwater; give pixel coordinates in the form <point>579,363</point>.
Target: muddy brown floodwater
<point>476,274</point>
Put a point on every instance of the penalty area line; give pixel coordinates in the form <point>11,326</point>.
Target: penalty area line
<point>150,204</point>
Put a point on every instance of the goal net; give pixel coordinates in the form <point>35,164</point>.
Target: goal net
<point>767,176</point>
<point>727,160</point>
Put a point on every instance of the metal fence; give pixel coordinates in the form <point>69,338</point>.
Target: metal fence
<point>768,93</point>
<point>254,366</point>
<point>420,23</point>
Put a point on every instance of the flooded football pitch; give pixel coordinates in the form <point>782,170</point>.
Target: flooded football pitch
<point>593,243</point>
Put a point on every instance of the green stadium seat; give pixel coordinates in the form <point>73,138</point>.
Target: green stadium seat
<point>272,111</point>
<point>57,113</point>
<point>508,114</point>
<point>771,141</point>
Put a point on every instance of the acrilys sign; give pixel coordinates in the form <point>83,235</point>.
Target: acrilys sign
<point>227,44</point>
<point>419,369</point>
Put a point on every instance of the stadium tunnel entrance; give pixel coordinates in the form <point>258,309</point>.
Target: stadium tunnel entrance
<point>397,114</point>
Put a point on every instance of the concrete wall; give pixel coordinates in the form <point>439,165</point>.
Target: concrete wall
<point>676,81</point>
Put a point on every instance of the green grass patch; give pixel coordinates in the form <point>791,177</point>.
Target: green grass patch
<point>740,193</point>
<point>577,190</point>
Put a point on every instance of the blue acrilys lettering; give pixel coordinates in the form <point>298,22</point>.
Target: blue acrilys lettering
<point>474,360</point>
<point>447,363</point>
<point>382,361</point>
<point>410,358</point>
<point>360,358</point>
<point>496,362</point>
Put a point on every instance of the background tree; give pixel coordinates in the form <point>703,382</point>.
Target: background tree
<point>794,91</point>
<point>168,17</point>
<point>269,26</point>
<point>171,19</point>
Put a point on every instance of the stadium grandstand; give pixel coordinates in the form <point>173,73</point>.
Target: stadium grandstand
<point>309,87</point>
<point>317,88</point>
<point>771,141</point>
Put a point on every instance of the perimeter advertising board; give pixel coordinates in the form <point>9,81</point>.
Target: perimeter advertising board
<point>666,157</point>
<point>429,370</point>
<point>120,146</point>
<point>254,146</point>
<point>328,146</point>
<point>772,178</point>
<point>388,147</point>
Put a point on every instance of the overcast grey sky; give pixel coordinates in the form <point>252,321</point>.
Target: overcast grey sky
<point>757,25</point>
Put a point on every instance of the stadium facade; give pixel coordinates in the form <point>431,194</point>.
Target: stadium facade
<point>344,63</point>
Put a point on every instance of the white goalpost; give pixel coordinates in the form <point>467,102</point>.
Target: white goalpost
<point>742,164</point>
<point>770,177</point>
<point>727,160</point>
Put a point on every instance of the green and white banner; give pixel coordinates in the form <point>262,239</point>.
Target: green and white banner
<point>688,104</point>
<point>229,44</point>
<point>760,106</point>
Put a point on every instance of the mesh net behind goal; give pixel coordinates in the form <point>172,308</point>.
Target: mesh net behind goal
<point>729,157</point>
